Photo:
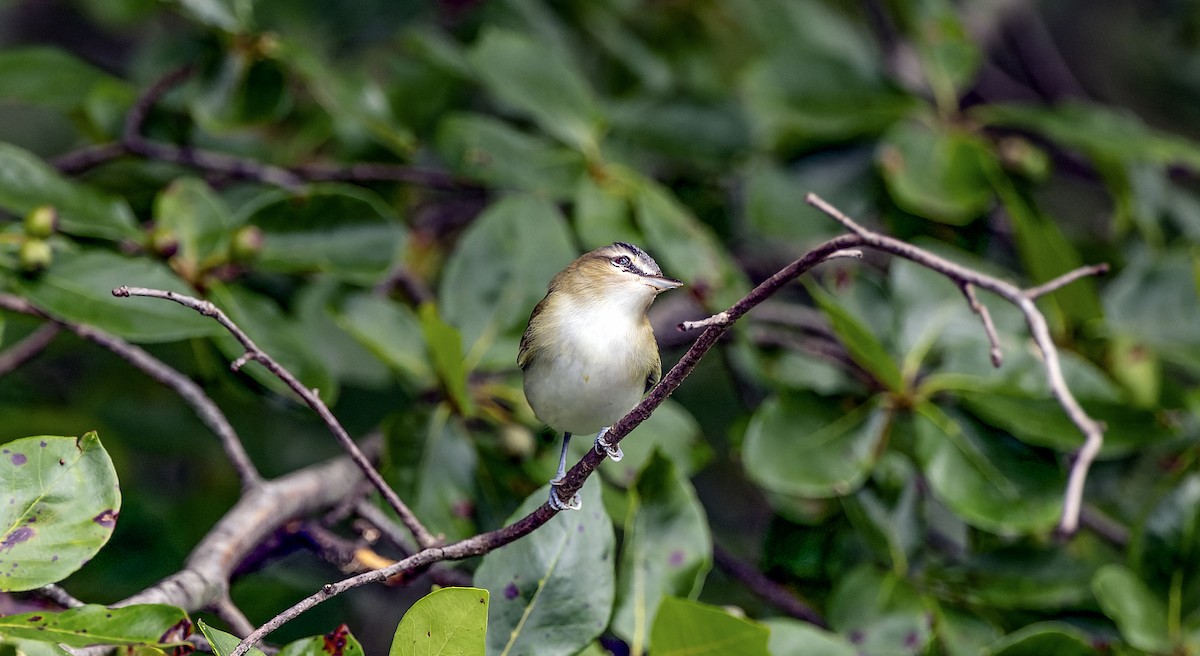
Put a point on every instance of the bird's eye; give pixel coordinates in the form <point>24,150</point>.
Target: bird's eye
<point>622,261</point>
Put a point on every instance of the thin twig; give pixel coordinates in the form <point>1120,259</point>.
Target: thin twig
<point>309,396</point>
<point>1066,279</point>
<point>770,591</point>
<point>989,328</point>
<point>1093,432</point>
<point>28,348</point>
<point>191,393</point>
<point>89,157</point>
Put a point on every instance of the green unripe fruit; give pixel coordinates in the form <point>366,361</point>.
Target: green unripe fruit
<point>35,255</point>
<point>246,244</point>
<point>163,242</point>
<point>41,222</point>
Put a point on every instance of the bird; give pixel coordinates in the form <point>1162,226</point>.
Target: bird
<point>588,355</point>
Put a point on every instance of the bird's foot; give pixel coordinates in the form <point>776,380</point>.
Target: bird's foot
<point>613,451</point>
<point>556,502</point>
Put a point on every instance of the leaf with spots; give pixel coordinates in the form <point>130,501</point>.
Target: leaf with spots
<point>59,507</point>
<point>446,622</point>
<point>142,625</point>
<point>552,591</point>
<point>338,642</point>
<point>667,549</point>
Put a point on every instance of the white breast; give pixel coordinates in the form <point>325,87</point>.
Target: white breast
<point>592,377</point>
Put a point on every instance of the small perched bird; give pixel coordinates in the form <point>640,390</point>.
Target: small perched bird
<point>589,354</point>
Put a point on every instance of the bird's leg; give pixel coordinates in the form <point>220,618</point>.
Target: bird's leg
<point>611,450</point>
<point>556,502</point>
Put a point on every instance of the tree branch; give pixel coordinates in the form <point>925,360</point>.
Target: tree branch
<point>28,348</point>
<point>768,590</point>
<point>1093,432</point>
<point>309,396</point>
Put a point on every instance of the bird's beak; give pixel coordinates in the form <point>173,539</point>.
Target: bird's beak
<point>661,284</point>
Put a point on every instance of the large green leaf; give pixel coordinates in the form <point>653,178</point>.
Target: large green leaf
<point>27,182</point>
<point>551,591</point>
<point>673,433</point>
<point>1140,615</point>
<point>490,150</point>
<point>883,612</point>
<point>78,287</point>
<point>63,503</point>
<point>806,445</point>
<point>446,475</point>
<point>689,628</point>
<point>151,625</point>
<point>938,172</point>
<point>48,77</point>
<point>991,481</point>
<point>502,266</point>
<point>340,229</point>
<point>528,76</point>
<point>391,332</point>
<point>1154,300</point>
<point>446,622</point>
<point>666,552</point>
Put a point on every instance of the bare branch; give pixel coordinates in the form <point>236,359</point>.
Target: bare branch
<point>28,348</point>
<point>89,157</point>
<point>1066,279</point>
<point>1093,432</point>
<point>770,591</point>
<point>989,328</point>
<point>55,593</point>
<point>229,613</point>
<point>188,390</point>
<point>309,396</point>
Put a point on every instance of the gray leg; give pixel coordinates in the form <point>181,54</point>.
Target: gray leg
<point>555,501</point>
<point>611,450</point>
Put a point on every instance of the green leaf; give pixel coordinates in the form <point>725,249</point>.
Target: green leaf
<point>27,182</point>
<point>1046,252</point>
<point>276,334</point>
<point>672,432</point>
<point>1154,300</point>
<point>1139,614</point>
<point>194,215</point>
<point>882,611</point>
<point>502,265</point>
<point>684,247</point>
<point>223,643</point>
<point>800,444</point>
<point>602,214</point>
<point>391,332</point>
<point>78,287</point>
<point>1042,422</point>
<point>491,151</point>
<point>939,172</point>
<point>348,360</point>
<point>527,76</point>
<point>864,347</point>
<point>63,503</point>
<point>790,637</point>
<point>894,533</point>
<point>340,229</point>
<point>992,482</point>
<point>142,625</point>
<point>1020,577</point>
<point>445,349</point>
<point>446,622</point>
<point>551,591</point>
<point>667,550</point>
<point>689,628</point>
<point>1043,638</point>
<point>48,77</point>
<point>949,55</point>
<point>338,642</point>
<point>446,476</point>
<point>1100,132</point>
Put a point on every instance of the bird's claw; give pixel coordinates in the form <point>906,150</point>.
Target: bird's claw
<point>556,502</point>
<point>613,451</point>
